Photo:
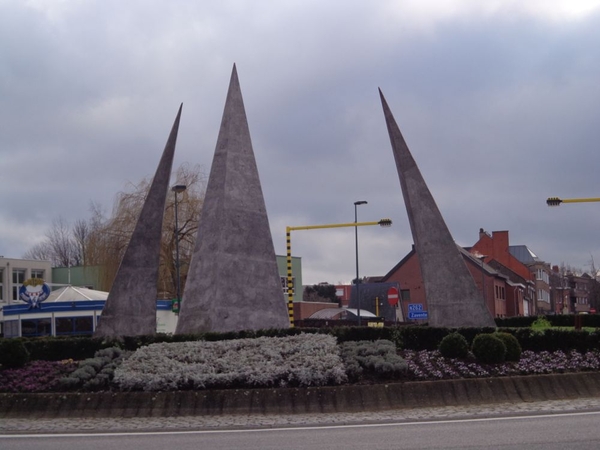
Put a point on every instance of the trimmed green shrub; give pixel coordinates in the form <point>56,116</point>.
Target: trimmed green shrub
<point>470,332</point>
<point>515,322</point>
<point>13,353</point>
<point>345,334</point>
<point>513,348</point>
<point>94,373</point>
<point>557,320</point>
<point>454,345</point>
<point>59,348</point>
<point>422,337</point>
<point>377,359</point>
<point>488,349</point>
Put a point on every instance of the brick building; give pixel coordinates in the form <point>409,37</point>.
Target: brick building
<point>503,296</point>
<point>496,248</point>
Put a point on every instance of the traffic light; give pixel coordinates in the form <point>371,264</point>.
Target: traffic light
<point>553,201</point>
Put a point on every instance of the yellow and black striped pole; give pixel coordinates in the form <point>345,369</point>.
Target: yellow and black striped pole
<point>555,201</point>
<point>290,279</point>
<point>288,235</point>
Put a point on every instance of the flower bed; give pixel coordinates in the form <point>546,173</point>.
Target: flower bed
<point>430,365</point>
<point>302,360</point>
<point>37,376</point>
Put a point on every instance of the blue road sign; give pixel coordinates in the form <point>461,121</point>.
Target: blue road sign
<point>418,315</point>
<point>415,306</point>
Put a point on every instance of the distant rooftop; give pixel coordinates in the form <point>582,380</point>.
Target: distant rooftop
<point>523,254</point>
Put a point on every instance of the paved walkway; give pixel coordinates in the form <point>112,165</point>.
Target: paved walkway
<point>31,426</point>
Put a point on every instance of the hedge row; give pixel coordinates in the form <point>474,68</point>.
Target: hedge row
<point>559,320</point>
<point>407,337</point>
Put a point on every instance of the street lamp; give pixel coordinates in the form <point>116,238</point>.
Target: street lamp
<point>288,234</point>
<point>177,189</point>
<point>360,202</point>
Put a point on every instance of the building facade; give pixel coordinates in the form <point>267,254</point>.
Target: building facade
<point>501,295</point>
<point>14,272</point>
<point>495,248</point>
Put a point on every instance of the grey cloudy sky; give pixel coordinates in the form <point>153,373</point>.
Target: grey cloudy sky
<point>499,102</point>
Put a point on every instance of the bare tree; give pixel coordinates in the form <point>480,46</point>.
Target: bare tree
<point>101,242</point>
<point>41,251</point>
<point>81,231</point>
<point>108,239</point>
<point>58,247</point>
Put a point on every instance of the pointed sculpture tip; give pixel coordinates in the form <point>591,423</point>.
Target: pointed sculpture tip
<point>179,112</point>
<point>386,108</point>
<point>382,97</point>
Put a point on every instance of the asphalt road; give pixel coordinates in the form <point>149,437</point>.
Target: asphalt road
<point>573,431</point>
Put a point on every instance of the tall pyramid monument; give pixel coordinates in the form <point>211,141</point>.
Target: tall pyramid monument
<point>452,296</point>
<point>130,309</point>
<point>233,282</point>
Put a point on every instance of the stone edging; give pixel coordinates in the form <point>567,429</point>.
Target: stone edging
<point>330,399</point>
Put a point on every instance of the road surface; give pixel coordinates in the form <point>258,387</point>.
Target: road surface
<point>573,431</point>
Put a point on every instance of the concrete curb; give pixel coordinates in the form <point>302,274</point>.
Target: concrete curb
<point>331,399</point>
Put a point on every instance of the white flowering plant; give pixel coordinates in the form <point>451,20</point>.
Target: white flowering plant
<point>301,360</point>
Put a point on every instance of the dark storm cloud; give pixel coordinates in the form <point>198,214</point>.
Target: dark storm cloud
<point>500,110</point>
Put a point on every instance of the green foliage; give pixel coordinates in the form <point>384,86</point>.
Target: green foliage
<point>454,345</point>
<point>60,348</point>
<point>488,349</point>
<point>321,292</point>
<point>94,373</point>
<point>470,332</point>
<point>541,323</point>
<point>422,337</point>
<point>513,348</point>
<point>557,320</point>
<point>345,334</point>
<point>375,359</point>
<point>13,353</point>
<point>515,322</point>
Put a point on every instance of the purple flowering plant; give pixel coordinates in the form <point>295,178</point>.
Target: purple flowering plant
<point>37,376</point>
<point>431,365</point>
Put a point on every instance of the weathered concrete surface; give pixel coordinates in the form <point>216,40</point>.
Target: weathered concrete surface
<point>130,308</point>
<point>452,296</point>
<point>358,398</point>
<point>233,282</point>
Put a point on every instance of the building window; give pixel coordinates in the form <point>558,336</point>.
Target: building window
<point>37,273</point>
<point>36,327</point>
<point>74,325</point>
<point>284,284</point>
<point>18,278</point>
<point>11,328</point>
<point>542,275</point>
<point>405,295</point>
